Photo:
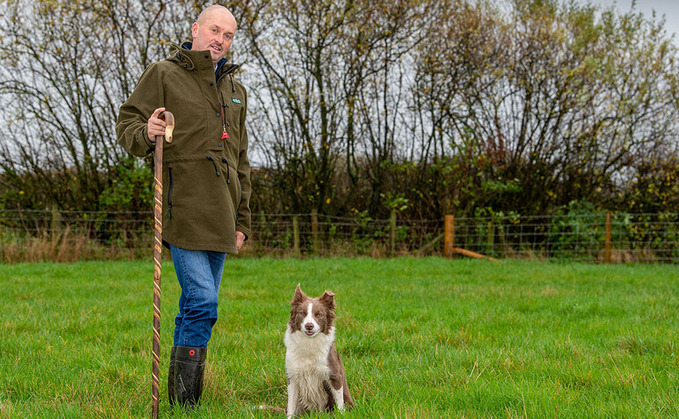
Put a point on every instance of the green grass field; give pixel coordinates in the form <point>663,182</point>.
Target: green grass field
<point>419,338</point>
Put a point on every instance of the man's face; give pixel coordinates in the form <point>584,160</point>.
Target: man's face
<point>214,33</point>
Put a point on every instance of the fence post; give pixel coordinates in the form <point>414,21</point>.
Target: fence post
<point>55,224</point>
<point>314,231</point>
<point>490,237</point>
<point>449,236</point>
<point>501,238</point>
<point>295,234</point>
<point>392,233</point>
<point>608,237</point>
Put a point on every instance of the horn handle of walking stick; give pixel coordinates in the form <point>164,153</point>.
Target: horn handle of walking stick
<point>169,128</point>
<point>157,250</point>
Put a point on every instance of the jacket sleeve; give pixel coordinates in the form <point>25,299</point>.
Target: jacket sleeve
<point>244,224</point>
<point>131,127</point>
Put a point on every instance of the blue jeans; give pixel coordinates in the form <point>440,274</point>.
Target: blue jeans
<point>199,273</point>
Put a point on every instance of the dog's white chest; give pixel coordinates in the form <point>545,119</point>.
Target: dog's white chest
<point>306,366</point>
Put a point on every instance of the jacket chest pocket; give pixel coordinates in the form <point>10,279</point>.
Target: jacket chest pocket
<point>232,109</point>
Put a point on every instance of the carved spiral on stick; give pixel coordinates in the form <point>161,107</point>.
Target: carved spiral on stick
<point>157,250</point>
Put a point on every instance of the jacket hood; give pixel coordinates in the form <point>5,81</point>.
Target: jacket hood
<point>183,56</point>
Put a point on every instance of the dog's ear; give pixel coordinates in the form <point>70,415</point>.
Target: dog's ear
<point>299,296</point>
<point>328,298</point>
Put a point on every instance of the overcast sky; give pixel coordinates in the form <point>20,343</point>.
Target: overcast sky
<point>669,8</point>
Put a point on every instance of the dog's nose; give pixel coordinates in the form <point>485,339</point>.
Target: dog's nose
<point>309,326</point>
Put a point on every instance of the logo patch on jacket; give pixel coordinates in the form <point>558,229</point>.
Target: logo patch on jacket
<point>234,100</point>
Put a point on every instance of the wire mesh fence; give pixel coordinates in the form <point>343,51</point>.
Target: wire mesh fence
<point>596,237</point>
<point>592,237</point>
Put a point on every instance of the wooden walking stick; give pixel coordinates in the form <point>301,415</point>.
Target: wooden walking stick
<point>157,249</point>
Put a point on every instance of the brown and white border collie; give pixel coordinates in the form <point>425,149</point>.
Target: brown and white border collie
<point>316,379</point>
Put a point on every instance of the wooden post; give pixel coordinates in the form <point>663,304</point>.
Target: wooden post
<point>608,237</point>
<point>314,232</point>
<point>392,233</point>
<point>55,225</point>
<point>449,236</point>
<point>501,238</point>
<point>470,254</point>
<point>491,237</point>
<point>295,234</point>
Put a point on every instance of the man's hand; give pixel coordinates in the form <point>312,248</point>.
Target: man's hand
<point>155,126</point>
<point>240,239</point>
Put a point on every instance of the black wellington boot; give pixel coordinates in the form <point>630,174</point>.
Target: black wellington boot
<point>170,377</point>
<point>189,366</point>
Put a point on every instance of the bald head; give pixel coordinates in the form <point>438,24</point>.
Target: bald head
<point>215,9</point>
<point>214,31</point>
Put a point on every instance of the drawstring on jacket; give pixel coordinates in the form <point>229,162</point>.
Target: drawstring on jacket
<point>214,164</point>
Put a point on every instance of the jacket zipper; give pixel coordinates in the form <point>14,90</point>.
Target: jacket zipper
<point>228,172</point>
<point>169,195</point>
<point>224,104</point>
<point>240,200</point>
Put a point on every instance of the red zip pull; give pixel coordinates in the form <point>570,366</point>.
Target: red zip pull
<point>225,136</point>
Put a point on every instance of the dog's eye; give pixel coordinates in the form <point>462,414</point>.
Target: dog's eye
<point>318,314</point>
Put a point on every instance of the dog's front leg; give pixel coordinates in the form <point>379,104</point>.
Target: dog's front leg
<point>338,395</point>
<point>292,400</point>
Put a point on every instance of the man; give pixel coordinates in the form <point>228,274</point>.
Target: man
<point>206,178</point>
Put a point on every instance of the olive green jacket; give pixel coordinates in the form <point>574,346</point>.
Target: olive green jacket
<point>206,177</point>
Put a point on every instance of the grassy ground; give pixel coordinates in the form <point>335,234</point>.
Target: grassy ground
<point>419,338</point>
